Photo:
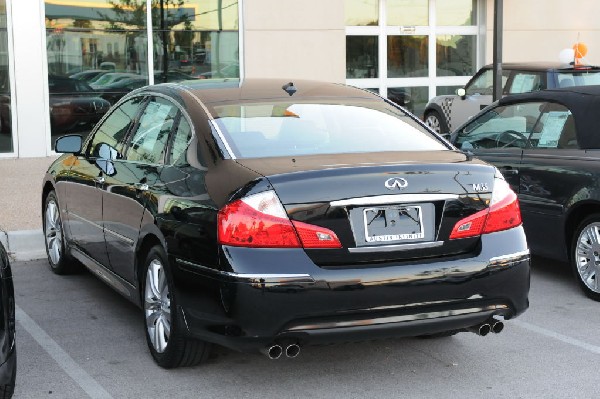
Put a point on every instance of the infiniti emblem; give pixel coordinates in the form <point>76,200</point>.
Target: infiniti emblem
<point>395,182</point>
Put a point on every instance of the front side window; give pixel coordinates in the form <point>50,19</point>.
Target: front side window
<point>115,127</point>
<point>502,127</point>
<point>150,139</point>
<point>303,128</point>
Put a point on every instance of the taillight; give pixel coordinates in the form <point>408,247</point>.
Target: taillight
<point>259,220</point>
<point>502,214</point>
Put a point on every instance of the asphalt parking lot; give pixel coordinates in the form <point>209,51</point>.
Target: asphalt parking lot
<point>78,338</point>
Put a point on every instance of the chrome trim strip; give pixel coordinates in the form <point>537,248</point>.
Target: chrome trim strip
<point>393,199</point>
<point>398,247</point>
<point>253,278</point>
<point>398,319</point>
<point>508,260</point>
<point>76,216</point>
<point>119,236</point>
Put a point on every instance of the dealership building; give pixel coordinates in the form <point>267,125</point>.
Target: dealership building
<point>63,62</point>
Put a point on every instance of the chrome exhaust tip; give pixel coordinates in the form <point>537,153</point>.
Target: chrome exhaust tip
<point>292,350</point>
<point>481,330</point>
<point>273,352</point>
<point>497,327</point>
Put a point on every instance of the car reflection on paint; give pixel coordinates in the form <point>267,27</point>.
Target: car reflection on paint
<point>266,215</point>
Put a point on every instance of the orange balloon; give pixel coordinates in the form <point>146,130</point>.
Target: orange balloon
<point>580,50</point>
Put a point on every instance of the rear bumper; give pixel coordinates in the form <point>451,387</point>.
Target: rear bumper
<point>256,304</point>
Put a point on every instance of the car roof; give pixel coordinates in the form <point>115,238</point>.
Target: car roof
<point>582,101</point>
<point>236,90</point>
<point>545,66</point>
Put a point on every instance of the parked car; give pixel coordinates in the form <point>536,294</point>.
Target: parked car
<point>445,113</point>
<point>228,71</point>
<point>547,146</point>
<point>8,351</point>
<point>115,91</point>
<point>74,105</point>
<point>89,74</point>
<point>109,78</point>
<point>267,215</point>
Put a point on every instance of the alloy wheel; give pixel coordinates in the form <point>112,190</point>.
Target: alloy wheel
<point>53,232</point>
<point>433,122</point>
<point>157,306</point>
<point>587,256</point>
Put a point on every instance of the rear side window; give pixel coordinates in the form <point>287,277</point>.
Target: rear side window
<point>555,129</point>
<point>525,82</point>
<point>304,128</point>
<point>150,139</point>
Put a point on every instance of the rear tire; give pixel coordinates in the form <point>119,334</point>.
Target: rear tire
<point>585,256</point>
<point>58,258</point>
<point>438,124</point>
<point>165,336</point>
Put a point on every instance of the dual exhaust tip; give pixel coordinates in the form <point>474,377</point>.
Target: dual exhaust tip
<point>275,351</point>
<point>492,326</point>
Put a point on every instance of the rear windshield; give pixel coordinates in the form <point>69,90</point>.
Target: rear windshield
<point>579,78</point>
<point>302,128</point>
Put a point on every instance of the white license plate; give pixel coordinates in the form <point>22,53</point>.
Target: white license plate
<point>393,223</point>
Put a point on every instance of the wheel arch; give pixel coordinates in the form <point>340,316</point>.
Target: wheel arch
<point>574,217</point>
<point>150,236</point>
<point>48,186</point>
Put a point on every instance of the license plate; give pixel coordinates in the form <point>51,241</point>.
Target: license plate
<point>393,223</point>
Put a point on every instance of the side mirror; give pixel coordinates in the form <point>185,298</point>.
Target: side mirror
<point>71,143</point>
<point>461,92</point>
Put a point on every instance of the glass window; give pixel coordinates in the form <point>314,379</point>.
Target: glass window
<point>407,56</point>
<point>456,12</point>
<point>150,139</point>
<point>195,39</point>
<point>554,129</point>
<point>362,13</point>
<point>299,128</point>
<point>503,126</point>
<point>361,57</point>
<point>413,99</point>
<point>446,90</point>
<point>6,139</point>
<point>114,128</point>
<point>579,78</point>
<point>456,55</point>
<point>180,143</point>
<point>524,82</point>
<point>408,12</point>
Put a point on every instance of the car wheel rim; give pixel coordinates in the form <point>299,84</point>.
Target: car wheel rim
<point>587,256</point>
<point>433,123</point>
<point>53,230</point>
<point>157,306</point>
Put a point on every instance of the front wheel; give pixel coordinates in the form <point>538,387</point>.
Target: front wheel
<point>585,256</point>
<point>60,262</point>
<point>434,120</point>
<point>166,341</point>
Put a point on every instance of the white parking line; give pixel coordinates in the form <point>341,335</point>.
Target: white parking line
<point>563,338</point>
<point>66,362</point>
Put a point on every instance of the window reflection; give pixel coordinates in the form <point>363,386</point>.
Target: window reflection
<point>361,56</point>
<point>456,55</point>
<point>408,12</point>
<point>456,12</point>
<point>6,141</point>
<point>362,13</point>
<point>407,56</point>
<point>413,99</point>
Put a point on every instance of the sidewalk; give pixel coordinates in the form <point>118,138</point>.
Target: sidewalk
<point>20,208</point>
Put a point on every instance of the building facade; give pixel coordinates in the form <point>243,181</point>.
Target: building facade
<point>64,62</point>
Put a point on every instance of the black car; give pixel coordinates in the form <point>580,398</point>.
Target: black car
<point>8,351</point>
<point>547,146</point>
<point>265,215</point>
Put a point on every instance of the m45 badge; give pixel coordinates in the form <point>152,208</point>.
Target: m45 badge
<point>480,187</point>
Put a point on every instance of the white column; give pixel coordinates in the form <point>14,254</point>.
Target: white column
<point>31,114</point>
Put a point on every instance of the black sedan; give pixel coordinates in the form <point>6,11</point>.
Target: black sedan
<point>265,215</point>
<point>547,146</point>
<point>8,352</point>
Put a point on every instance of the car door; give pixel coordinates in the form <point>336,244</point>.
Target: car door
<point>553,175</point>
<point>478,95</point>
<point>126,191</point>
<point>499,136</point>
<point>87,179</point>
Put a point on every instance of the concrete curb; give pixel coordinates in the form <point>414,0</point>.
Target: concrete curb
<point>24,245</point>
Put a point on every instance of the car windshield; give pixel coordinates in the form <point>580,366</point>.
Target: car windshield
<point>301,128</point>
<point>580,78</point>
